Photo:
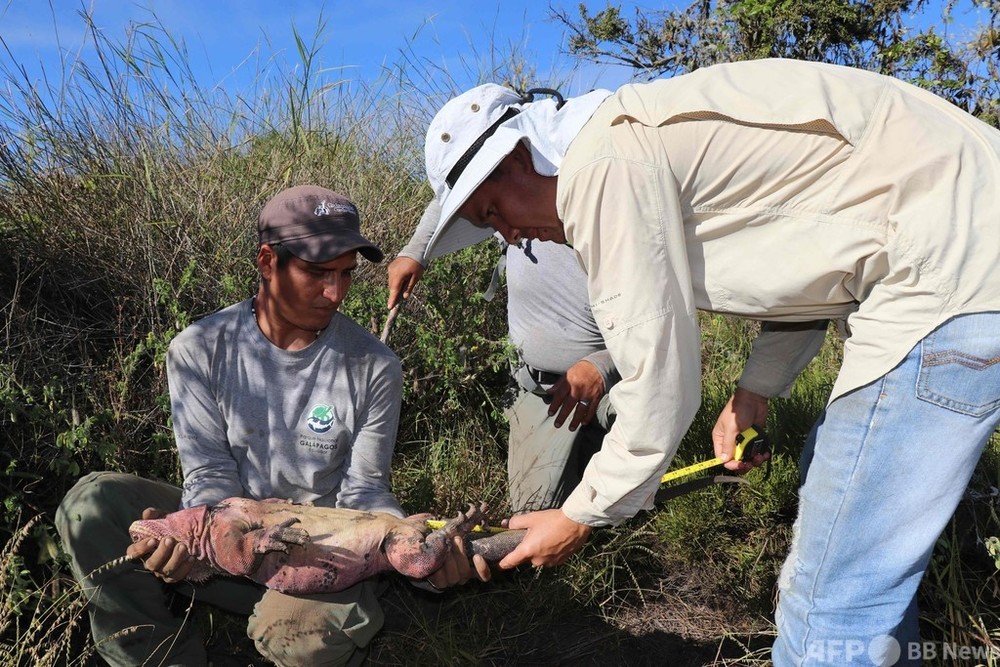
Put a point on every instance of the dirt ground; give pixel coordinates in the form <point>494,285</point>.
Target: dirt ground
<point>509,623</point>
<point>665,627</point>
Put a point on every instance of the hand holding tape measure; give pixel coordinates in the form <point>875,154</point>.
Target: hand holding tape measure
<point>749,444</point>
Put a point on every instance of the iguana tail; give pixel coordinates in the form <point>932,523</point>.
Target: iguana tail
<point>493,546</point>
<point>108,567</point>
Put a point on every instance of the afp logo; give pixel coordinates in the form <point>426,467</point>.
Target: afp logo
<point>321,418</point>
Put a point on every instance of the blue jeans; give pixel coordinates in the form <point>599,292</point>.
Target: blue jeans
<point>884,469</point>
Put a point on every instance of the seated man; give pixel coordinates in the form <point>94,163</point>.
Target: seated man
<point>278,396</point>
<point>563,373</point>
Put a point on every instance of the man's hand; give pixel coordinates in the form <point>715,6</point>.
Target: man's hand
<point>457,569</point>
<point>404,274</point>
<point>167,559</point>
<point>743,410</point>
<point>577,393</point>
<point>551,539</point>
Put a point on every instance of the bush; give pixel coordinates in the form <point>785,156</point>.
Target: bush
<point>128,199</point>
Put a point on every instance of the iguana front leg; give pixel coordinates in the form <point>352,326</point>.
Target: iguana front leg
<point>238,549</point>
<point>417,554</point>
<point>278,537</point>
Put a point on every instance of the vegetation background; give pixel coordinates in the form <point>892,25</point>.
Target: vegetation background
<point>127,200</point>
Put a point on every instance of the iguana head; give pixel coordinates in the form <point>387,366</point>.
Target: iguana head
<point>185,526</point>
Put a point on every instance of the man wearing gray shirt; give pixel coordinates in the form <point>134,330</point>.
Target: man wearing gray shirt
<point>563,370</point>
<point>279,396</point>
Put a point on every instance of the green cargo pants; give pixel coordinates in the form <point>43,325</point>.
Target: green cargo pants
<point>545,463</point>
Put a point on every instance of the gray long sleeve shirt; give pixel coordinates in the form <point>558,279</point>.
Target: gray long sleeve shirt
<point>313,425</point>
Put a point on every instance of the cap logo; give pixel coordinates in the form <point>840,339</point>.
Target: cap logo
<point>327,208</point>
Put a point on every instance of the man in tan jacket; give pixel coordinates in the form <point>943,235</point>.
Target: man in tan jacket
<point>791,193</point>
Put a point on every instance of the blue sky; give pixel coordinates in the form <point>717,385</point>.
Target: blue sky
<point>226,39</point>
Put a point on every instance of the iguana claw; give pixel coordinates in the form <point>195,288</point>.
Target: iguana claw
<point>279,536</point>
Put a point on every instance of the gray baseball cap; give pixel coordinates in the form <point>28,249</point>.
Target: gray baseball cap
<point>315,224</point>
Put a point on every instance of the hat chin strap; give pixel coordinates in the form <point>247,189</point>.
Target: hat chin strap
<point>468,155</point>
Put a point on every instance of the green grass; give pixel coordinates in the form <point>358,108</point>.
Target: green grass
<point>127,205</point>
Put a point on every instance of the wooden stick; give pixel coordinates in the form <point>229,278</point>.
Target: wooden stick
<point>393,314</point>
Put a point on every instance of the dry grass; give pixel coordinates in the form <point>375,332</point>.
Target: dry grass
<point>40,625</point>
<point>127,200</point>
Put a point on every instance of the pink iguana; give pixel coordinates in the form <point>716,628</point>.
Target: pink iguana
<point>297,548</point>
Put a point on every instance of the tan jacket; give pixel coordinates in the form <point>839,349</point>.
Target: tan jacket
<point>776,190</point>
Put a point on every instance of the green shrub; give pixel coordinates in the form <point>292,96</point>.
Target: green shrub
<point>128,198</point>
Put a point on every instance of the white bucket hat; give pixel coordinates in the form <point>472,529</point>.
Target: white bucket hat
<point>456,138</point>
<point>475,131</point>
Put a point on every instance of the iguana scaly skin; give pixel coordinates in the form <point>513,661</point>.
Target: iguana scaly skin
<point>303,549</point>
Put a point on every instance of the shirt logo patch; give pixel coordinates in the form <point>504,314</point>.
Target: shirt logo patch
<point>321,418</point>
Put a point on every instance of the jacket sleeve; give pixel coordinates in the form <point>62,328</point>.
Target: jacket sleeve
<point>779,354</point>
<point>624,220</point>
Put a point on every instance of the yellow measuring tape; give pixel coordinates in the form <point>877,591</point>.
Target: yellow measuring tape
<point>437,523</point>
<point>748,443</point>
<point>752,439</point>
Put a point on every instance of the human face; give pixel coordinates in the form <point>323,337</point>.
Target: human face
<point>516,201</point>
<point>302,296</point>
